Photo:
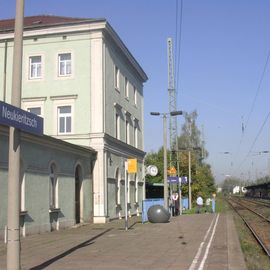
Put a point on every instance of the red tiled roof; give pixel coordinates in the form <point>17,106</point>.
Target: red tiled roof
<point>39,20</point>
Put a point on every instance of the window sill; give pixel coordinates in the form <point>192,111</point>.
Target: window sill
<point>54,210</point>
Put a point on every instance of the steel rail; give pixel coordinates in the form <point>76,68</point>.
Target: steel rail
<point>250,227</point>
<point>250,209</point>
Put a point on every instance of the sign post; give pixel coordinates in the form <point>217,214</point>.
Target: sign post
<point>13,219</point>
<point>126,196</point>
<point>130,167</point>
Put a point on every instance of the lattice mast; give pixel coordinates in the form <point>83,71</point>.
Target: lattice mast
<point>172,100</point>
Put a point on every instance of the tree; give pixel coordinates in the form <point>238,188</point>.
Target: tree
<point>202,180</point>
<point>229,183</point>
<point>190,137</point>
<point>201,174</point>
<point>157,160</point>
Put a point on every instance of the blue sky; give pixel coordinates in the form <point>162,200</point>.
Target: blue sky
<point>224,50</point>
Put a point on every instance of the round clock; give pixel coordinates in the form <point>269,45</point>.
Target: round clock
<point>152,170</point>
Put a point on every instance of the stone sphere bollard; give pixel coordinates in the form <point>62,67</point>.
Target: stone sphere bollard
<point>158,214</point>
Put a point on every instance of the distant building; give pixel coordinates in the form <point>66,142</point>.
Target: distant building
<point>81,78</point>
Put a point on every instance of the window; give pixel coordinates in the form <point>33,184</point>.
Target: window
<point>22,189</point>
<point>135,95</point>
<point>136,136</point>
<point>64,119</point>
<point>127,131</point>
<point>117,126</point>
<point>116,78</point>
<point>118,179</point>
<point>35,110</point>
<point>35,66</point>
<point>126,88</point>
<point>34,105</point>
<point>53,185</point>
<point>64,64</point>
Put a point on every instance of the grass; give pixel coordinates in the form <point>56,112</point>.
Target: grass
<point>255,257</point>
<point>220,207</point>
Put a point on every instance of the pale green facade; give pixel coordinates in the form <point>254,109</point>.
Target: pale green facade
<point>37,155</point>
<point>105,117</point>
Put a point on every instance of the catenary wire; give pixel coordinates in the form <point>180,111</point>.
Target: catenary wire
<point>250,113</point>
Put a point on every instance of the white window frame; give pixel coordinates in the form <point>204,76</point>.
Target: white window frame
<point>34,103</point>
<point>135,135</point>
<point>36,107</point>
<point>126,88</point>
<point>136,187</point>
<point>135,95</point>
<point>37,66</point>
<point>60,102</point>
<point>116,78</point>
<point>136,132</point>
<point>65,116</point>
<point>127,131</point>
<point>70,61</point>
<point>22,188</point>
<point>117,126</point>
<point>118,179</point>
<point>128,126</point>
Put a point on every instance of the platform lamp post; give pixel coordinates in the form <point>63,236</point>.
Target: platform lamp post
<point>189,149</point>
<point>165,162</point>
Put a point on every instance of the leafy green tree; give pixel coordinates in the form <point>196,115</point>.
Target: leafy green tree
<point>190,137</point>
<point>157,160</point>
<point>229,183</point>
<point>189,140</point>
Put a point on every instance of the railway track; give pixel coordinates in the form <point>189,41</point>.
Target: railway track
<point>256,217</point>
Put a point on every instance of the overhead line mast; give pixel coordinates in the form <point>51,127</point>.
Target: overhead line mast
<point>172,100</point>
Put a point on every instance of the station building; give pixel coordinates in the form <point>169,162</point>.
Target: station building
<point>56,180</point>
<point>81,78</point>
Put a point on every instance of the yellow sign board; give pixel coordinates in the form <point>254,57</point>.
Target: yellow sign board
<point>132,165</point>
<point>172,171</point>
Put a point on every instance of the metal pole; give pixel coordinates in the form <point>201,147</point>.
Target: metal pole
<point>13,237</point>
<point>179,178</point>
<point>126,196</point>
<point>189,180</point>
<point>165,161</point>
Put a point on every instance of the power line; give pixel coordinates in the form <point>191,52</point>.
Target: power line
<point>258,89</point>
<point>244,126</point>
<point>178,43</point>
<point>259,133</point>
<point>255,140</point>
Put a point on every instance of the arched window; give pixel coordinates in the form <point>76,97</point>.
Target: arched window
<point>22,187</point>
<point>53,187</point>
<point>118,179</point>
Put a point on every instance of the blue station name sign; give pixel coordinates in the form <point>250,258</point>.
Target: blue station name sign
<point>18,118</point>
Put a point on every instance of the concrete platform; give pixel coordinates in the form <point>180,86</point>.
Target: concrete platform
<point>201,241</point>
